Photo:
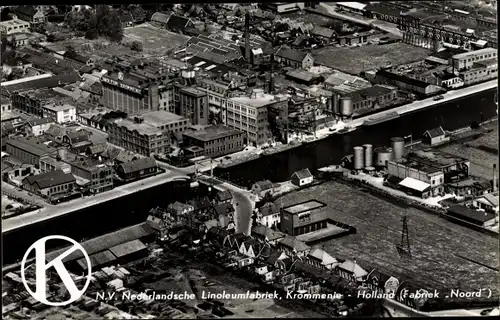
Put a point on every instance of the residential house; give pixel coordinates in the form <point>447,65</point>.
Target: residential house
<point>321,259</point>
<point>435,136</point>
<point>202,205</point>
<point>157,223</point>
<point>351,271</point>
<point>179,24</point>
<point>269,215</point>
<point>267,235</point>
<point>60,112</point>
<point>77,139</point>
<point>179,209</point>
<point>96,149</point>
<point>324,34</point>
<point>234,241</point>
<point>31,14</point>
<point>487,202</point>
<point>51,184</point>
<point>293,58</point>
<point>253,247</point>
<point>94,176</point>
<point>127,20</point>
<point>379,282</point>
<point>137,169</point>
<point>14,63</point>
<point>260,188</point>
<point>293,247</point>
<point>275,259</point>
<point>223,197</point>
<point>302,177</point>
<point>37,127</point>
<point>161,18</point>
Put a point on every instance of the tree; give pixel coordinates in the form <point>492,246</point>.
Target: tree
<point>16,73</point>
<point>70,50</point>
<point>136,46</point>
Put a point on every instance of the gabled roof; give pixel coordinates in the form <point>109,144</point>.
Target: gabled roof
<point>97,148</point>
<point>177,22</point>
<point>302,174</point>
<point>353,268</point>
<point>138,165</point>
<point>38,122</point>
<point>126,18</point>
<point>264,185</point>
<point>436,132</point>
<point>294,244</point>
<point>160,17</point>
<point>492,198</point>
<point>50,179</point>
<point>291,54</point>
<point>267,233</point>
<point>224,195</point>
<point>323,32</point>
<point>29,11</point>
<point>268,209</point>
<point>322,256</point>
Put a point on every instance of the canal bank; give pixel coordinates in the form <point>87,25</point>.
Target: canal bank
<point>133,208</point>
<point>450,115</point>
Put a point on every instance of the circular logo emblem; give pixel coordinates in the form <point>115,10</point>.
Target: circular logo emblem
<point>41,267</point>
<point>120,76</point>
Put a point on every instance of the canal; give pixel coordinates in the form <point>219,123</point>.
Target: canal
<point>279,167</point>
<point>115,214</point>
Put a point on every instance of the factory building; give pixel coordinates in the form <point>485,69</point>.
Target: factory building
<point>466,60</point>
<point>213,141</point>
<point>194,105</point>
<point>250,114</point>
<point>480,71</point>
<point>132,88</point>
<point>303,218</point>
<point>149,133</point>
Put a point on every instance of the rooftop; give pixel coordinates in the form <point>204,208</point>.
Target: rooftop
<point>305,206</point>
<point>193,91</point>
<point>31,145</point>
<point>50,179</point>
<point>258,99</point>
<point>466,55</point>
<point>435,158</point>
<point>212,133</point>
<point>14,23</point>
<point>58,107</point>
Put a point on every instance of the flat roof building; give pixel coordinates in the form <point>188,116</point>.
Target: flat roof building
<point>303,218</point>
<point>215,141</point>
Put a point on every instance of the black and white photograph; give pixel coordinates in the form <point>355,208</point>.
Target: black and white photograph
<point>250,160</point>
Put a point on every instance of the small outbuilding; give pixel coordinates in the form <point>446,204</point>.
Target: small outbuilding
<point>435,136</point>
<point>302,177</point>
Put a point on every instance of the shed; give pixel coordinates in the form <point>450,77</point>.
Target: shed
<point>487,202</point>
<point>435,136</point>
<point>415,187</point>
<point>302,177</point>
<point>480,218</point>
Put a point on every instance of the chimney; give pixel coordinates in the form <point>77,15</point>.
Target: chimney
<point>495,188</point>
<point>271,80</point>
<point>247,37</point>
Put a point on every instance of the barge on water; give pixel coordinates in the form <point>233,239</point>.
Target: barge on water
<point>376,120</point>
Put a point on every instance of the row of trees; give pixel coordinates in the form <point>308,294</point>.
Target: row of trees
<point>104,22</point>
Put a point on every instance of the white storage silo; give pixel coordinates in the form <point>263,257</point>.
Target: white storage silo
<point>359,162</point>
<point>368,155</point>
<point>346,108</point>
<point>384,155</point>
<point>398,148</point>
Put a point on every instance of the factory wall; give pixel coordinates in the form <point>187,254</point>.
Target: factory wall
<point>401,171</point>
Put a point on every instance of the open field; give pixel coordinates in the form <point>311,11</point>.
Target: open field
<point>353,60</point>
<point>438,246</point>
<point>481,159</point>
<point>155,41</point>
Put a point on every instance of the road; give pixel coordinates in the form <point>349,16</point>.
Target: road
<point>50,211</point>
<point>381,25</point>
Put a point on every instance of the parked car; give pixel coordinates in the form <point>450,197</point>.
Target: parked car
<point>436,98</point>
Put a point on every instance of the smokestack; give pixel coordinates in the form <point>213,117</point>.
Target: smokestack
<point>495,188</point>
<point>271,80</point>
<point>247,37</point>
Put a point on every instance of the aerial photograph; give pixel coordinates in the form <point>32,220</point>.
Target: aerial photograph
<point>250,160</point>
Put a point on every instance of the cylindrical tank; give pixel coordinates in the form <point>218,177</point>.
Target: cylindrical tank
<point>359,162</point>
<point>368,155</point>
<point>384,155</point>
<point>335,104</point>
<point>398,148</point>
<point>346,109</point>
